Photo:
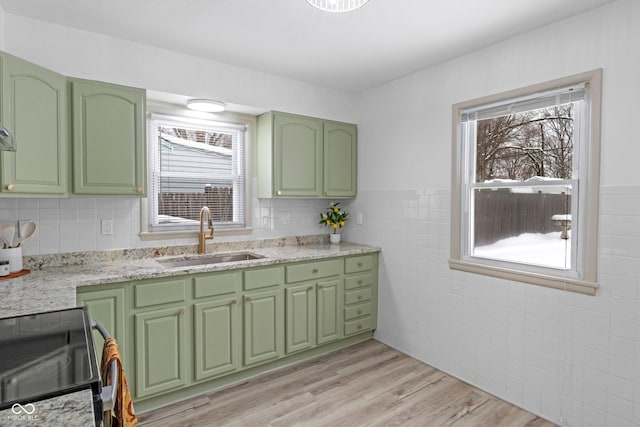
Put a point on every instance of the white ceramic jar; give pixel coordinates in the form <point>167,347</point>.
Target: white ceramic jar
<point>14,256</point>
<point>5,268</point>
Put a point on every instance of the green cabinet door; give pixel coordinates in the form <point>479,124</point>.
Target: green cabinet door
<point>340,161</point>
<point>160,343</point>
<point>34,110</point>
<point>263,326</point>
<point>329,309</point>
<point>108,139</point>
<point>300,317</point>
<point>217,337</point>
<point>297,156</point>
<point>108,308</point>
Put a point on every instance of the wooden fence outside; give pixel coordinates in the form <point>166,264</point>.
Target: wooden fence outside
<point>502,214</point>
<point>219,200</point>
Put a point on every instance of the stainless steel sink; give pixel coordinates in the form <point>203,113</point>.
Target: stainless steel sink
<point>207,259</point>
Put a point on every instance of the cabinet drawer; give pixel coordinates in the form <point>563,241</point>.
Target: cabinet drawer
<point>313,270</point>
<point>154,293</point>
<point>358,263</point>
<point>358,281</point>
<point>355,311</point>
<point>359,295</point>
<point>263,278</point>
<point>216,284</point>
<point>360,325</point>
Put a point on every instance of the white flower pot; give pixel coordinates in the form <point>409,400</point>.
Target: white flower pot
<point>335,238</point>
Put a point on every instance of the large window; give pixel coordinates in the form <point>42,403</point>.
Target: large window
<point>196,163</point>
<point>526,184</point>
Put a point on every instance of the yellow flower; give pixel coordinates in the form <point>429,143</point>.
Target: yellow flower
<point>335,210</point>
<point>341,223</point>
<point>328,222</point>
<point>335,226</point>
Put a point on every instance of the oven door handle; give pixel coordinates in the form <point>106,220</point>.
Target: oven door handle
<point>108,394</point>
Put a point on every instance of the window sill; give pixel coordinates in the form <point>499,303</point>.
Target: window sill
<point>185,234</point>
<point>566,284</point>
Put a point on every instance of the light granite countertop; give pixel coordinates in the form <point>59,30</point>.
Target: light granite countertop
<point>52,282</point>
<point>70,410</point>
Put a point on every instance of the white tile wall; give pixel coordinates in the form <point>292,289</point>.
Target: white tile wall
<point>68,225</point>
<point>572,358</point>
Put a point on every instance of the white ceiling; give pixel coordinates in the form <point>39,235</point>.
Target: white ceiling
<point>354,51</point>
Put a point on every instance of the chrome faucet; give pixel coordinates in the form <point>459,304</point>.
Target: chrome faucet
<point>202,237</point>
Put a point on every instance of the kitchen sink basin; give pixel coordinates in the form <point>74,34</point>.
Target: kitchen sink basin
<point>207,259</point>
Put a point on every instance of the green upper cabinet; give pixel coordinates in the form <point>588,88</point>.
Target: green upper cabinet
<point>340,169</point>
<point>297,150</point>
<point>302,156</point>
<point>108,139</point>
<point>34,110</point>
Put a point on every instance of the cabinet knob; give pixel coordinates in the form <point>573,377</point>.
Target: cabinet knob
<point>247,298</point>
<point>279,193</point>
<point>359,312</point>
<point>310,288</point>
<point>11,187</point>
<point>321,286</point>
<point>234,301</point>
<point>326,193</point>
<point>359,326</point>
<point>139,190</point>
<point>359,264</point>
<point>314,271</point>
<point>360,282</point>
<point>359,296</point>
<point>181,312</point>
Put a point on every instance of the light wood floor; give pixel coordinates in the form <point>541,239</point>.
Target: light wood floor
<point>369,384</point>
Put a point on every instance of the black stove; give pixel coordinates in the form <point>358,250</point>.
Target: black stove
<point>45,355</point>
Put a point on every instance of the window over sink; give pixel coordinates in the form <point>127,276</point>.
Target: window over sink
<point>195,163</point>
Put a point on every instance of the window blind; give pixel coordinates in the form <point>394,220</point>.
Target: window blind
<point>196,163</point>
<point>529,102</point>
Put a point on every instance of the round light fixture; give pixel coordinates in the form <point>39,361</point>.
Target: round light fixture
<point>206,105</point>
<point>337,5</point>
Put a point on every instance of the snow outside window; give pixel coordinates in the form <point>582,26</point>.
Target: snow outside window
<point>196,163</point>
<point>526,184</point>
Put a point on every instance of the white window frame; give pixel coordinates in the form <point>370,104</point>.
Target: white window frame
<point>159,109</point>
<point>582,277</point>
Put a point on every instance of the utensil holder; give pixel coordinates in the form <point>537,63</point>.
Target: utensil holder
<point>14,256</point>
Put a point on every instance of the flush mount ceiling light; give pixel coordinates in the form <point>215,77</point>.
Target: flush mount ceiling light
<point>206,105</point>
<point>337,5</point>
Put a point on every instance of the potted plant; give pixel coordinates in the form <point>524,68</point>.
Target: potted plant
<point>335,218</point>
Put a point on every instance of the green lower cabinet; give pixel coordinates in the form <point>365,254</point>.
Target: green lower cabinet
<point>300,317</point>
<point>107,307</point>
<point>329,299</point>
<point>217,332</point>
<point>187,333</point>
<point>160,356</point>
<point>263,326</point>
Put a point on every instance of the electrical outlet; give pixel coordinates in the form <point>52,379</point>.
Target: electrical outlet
<point>106,226</point>
<point>359,218</point>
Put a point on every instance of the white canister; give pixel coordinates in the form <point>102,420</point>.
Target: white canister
<point>14,256</point>
<point>4,268</point>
